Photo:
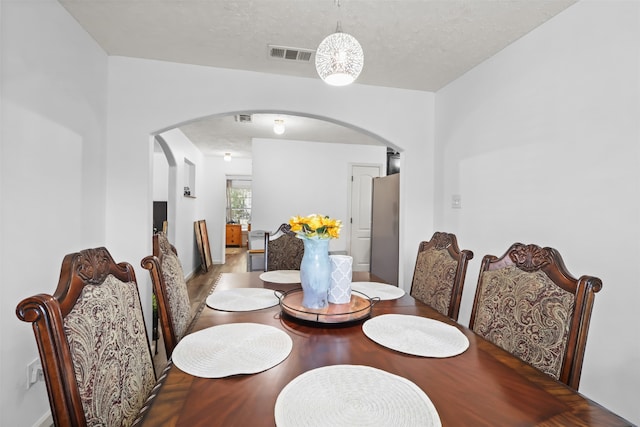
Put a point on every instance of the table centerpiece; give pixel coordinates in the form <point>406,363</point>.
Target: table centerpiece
<point>315,270</point>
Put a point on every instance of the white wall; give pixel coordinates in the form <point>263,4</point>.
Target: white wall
<point>276,164</point>
<point>53,83</point>
<point>160,177</point>
<point>147,97</point>
<point>300,178</point>
<point>542,142</point>
<point>184,211</point>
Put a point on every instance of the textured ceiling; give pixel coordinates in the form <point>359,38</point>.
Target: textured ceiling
<point>417,44</point>
<point>218,135</point>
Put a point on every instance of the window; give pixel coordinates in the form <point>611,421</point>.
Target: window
<point>239,201</point>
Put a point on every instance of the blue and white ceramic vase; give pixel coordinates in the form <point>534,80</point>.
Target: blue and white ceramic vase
<point>315,273</point>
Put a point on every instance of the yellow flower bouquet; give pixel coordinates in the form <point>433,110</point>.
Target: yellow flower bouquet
<point>315,226</point>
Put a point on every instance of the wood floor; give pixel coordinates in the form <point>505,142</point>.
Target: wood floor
<point>199,285</point>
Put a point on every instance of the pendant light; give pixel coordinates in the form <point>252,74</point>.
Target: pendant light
<point>278,126</point>
<point>339,57</point>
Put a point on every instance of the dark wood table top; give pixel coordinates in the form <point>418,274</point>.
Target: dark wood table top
<point>484,386</point>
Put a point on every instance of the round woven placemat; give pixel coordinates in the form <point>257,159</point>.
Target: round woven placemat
<point>281,276</point>
<point>383,291</point>
<point>231,349</point>
<point>352,396</point>
<point>419,336</point>
<point>242,299</point>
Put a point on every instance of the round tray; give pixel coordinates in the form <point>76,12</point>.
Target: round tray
<point>357,309</point>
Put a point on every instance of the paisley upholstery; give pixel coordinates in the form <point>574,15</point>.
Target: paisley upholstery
<point>526,314</point>
<point>438,278</point>
<point>175,286</point>
<point>110,352</point>
<point>529,304</point>
<point>164,244</point>
<point>177,294</point>
<point>284,253</point>
<point>433,279</point>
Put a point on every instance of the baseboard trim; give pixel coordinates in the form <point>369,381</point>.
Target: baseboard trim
<point>45,421</point>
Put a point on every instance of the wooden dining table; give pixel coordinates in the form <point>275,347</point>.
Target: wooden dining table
<point>483,386</point>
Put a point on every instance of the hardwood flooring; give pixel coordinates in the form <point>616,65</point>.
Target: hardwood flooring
<point>199,285</point>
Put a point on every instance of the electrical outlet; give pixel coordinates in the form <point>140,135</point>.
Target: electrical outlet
<point>34,373</point>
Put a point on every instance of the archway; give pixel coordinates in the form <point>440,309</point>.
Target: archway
<point>217,238</point>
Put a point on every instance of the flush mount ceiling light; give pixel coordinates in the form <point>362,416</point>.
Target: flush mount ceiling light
<point>227,157</point>
<point>339,58</point>
<point>278,126</point>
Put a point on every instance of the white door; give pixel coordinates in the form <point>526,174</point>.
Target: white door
<point>360,238</point>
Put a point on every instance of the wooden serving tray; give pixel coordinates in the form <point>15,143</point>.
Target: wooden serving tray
<point>358,308</point>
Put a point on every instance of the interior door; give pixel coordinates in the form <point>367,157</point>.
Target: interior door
<point>360,235</point>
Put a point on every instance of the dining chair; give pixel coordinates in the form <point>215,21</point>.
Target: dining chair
<point>170,289</point>
<point>439,273</point>
<point>529,304</point>
<point>282,249</point>
<point>255,250</point>
<point>93,342</point>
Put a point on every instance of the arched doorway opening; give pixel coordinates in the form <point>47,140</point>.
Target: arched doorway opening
<point>214,136</point>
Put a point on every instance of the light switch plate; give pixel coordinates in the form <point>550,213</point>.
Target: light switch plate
<point>456,201</point>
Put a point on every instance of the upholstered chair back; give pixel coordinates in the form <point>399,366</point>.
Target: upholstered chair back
<point>529,304</point>
<point>92,341</point>
<point>438,278</point>
<point>283,252</point>
<point>170,288</point>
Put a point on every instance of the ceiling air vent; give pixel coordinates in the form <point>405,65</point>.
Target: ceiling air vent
<point>290,53</point>
<point>243,118</point>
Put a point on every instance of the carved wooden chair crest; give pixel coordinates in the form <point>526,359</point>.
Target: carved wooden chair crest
<point>283,252</point>
<point>92,341</point>
<point>170,288</point>
<point>529,304</point>
<point>439,274</point>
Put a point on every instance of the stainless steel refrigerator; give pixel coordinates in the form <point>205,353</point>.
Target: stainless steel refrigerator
<point>385,228</point>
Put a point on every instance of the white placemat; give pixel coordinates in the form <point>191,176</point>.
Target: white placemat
<point>242,299</point>
<point>231,349</point>
<point>416,335</point>
<point>281,276</point>
<point>383,291</point>
<point>351,396</point>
